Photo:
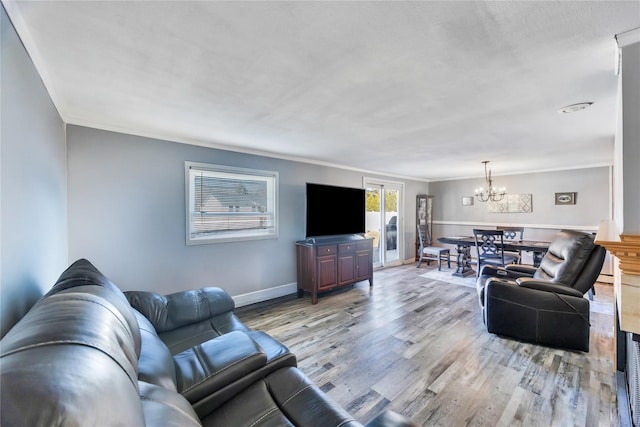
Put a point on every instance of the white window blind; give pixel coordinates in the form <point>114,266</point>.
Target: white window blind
<point>230,204</point>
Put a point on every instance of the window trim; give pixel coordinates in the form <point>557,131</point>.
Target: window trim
<point>229,236</point>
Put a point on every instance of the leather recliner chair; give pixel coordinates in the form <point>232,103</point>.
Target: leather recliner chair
<point>544,305</point>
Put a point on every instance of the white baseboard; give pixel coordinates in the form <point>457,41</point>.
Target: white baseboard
<point>265,294</point>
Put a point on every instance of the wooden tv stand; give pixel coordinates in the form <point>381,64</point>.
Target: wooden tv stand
<point>326,263</point>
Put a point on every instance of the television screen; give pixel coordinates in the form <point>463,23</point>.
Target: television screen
<point>334,210</point>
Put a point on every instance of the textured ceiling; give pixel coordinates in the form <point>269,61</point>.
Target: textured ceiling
<point>413,89</point>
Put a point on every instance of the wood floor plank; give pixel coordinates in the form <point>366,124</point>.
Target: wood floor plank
<point>418,346</point>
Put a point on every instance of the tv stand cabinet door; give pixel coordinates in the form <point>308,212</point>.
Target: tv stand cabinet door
<point>346,264</point>
<point>326,272</point>
<point>364,261</point>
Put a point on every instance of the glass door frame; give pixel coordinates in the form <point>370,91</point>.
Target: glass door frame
<point>383,185</point>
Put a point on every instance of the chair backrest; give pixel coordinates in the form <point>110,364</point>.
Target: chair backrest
<point>592,268</point>
<point>420,238</point>
<point>572,259</point>
<point>424,236</point>
<point>489,243</point>
<point>512,233</point>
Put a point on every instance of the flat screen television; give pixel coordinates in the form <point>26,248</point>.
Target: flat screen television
<point>333,210</point>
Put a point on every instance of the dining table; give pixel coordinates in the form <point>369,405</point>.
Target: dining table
<point>464,244</point>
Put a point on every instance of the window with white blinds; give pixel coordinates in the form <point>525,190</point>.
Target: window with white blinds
<point>230,204</point>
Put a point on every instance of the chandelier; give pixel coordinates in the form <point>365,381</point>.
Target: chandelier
<point>492,194</point>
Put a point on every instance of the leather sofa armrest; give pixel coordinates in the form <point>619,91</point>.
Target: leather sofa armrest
<point>543,285</point>
<point>391,419</point>
<point>214,364</point>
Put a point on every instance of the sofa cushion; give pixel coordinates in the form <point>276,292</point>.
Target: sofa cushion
<point>185,337</point>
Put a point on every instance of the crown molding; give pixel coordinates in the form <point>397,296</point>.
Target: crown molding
<point>628,37</point>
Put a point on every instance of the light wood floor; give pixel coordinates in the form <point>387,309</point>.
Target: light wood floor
<point>419,347</point>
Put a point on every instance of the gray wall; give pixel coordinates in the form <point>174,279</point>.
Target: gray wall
<point>127,214</point>
<point>593,203</point>
<point>33,241</point>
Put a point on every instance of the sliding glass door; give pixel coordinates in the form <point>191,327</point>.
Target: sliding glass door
<point>384,221</point>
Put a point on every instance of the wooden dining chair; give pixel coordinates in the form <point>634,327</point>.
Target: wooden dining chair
<point>431,253</point>
<point>490,249</point>
<point>513,233</point>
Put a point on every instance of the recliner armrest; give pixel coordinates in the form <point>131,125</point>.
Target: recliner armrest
<point>512,282</point>
<point>543,285</point>
<point>502,272</point>
<point>208,367</point>
<point>529,270</point>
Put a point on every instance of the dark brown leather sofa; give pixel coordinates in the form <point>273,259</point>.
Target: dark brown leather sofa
<point>87,355</point>
<point>544,305</point>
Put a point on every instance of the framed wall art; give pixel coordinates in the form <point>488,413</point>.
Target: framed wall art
<point>567,198</point>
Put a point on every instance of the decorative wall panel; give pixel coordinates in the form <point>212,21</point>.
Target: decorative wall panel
<point>512,203</point>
